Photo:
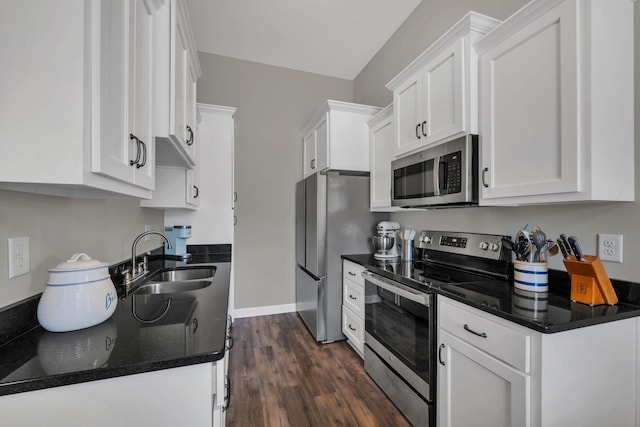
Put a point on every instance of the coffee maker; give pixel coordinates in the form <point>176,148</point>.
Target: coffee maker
<point>178,235</point>
<point>385,242</point>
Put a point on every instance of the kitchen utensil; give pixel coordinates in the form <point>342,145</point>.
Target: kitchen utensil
<point>539,240</point>
<point>79,294</point>
<point>575,247</point>
<point>552,248</point>
<point>508,244</point>
<point>522,248</point>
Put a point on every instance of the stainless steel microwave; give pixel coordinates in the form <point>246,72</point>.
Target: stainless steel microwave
<point>444,175</point>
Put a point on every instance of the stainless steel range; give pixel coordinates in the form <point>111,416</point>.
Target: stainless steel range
<point>400,313</point>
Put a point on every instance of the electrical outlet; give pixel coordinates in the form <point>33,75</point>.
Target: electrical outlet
<point>19,259</point>
<point>147,228</point>
<point>610,247</point>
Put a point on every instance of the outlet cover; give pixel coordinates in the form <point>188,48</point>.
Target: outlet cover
<point>610,247</point>
<point>19,257</point>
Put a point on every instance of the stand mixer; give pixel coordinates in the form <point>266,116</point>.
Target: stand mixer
<point>385,242</point>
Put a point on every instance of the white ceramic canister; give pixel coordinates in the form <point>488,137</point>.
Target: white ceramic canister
<point>79,294</point>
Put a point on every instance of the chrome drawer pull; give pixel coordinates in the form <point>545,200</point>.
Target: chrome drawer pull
<point>352,273</point>
<point>440,355</point>
<point>468,329</point>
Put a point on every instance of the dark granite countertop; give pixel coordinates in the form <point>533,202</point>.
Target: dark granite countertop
<point>545,312</point>
<point>192,331</point>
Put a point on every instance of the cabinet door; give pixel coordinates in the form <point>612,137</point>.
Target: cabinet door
<point>443,99</point>
<point>111,148</point>
<point>323,148</point>
<point>407,104</point>
<point>192,189</point>
<point>381,152</point>
<point>309,154</point>
<point>125,147</point>
<point>191,142</point>
<point>179,60</point>
<point>474,389</point>
<point>529,104</point>
<point>141,90</point>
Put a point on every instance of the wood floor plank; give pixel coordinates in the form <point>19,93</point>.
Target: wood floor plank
<point>282,377</point>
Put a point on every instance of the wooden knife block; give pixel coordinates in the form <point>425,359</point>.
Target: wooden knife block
<point>589,281</point>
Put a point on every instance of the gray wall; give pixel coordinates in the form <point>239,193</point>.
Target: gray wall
<point>430,19</point>
<point>58,227</point>
<point>273,105</point>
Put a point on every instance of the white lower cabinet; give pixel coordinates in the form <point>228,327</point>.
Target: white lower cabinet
<point>353,305</point>
<point>493,372</point>
<point>184,396</point>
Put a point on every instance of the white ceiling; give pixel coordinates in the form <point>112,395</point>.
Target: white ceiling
<point>330,37</point>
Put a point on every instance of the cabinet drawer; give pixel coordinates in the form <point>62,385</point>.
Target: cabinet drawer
<point>353,328</point>
<point>353,297</point>
<point>499,338</point>
<point>353,271</point>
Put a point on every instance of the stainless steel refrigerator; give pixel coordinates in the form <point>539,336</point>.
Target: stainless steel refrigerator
<point>332,218</point>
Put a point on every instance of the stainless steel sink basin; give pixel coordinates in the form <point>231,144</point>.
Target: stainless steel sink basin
<point>178,279</point>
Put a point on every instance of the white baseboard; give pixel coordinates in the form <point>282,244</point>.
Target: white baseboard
<point>239,313</point>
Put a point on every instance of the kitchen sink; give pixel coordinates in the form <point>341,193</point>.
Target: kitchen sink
<point>178,279</point>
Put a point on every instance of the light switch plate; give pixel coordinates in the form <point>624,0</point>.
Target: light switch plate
<point>19,256</point>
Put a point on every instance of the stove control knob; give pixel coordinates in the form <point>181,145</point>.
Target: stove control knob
<point>426,239</point>
<point>484,246</point>
<point>494,247</point>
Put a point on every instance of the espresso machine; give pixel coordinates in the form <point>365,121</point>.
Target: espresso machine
<point>385,242</point>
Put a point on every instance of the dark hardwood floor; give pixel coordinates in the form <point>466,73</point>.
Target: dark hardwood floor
<point>281,377</point>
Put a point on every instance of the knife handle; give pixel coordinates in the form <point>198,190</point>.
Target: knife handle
<point>563,249</point>
<point>575,247</point>
<point>563,237</point>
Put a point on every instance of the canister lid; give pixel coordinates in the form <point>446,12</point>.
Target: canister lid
<point>79,261</point>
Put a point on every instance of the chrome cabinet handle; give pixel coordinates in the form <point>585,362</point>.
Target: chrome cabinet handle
<point>141,147</point>
<point>144,155</point>
<point>423,125</point>
<point>235,196</point>
<point>312,163</point>
<point>227,392</point>
<point>229,342</point>
<point>440,355</point>
<point>235,220</point>
<point>196,192</point>
<point>484,176</point>
<point>194,326</point>
<point>351,273</point>
<point>353,298</point>
<point>479,334</point>
<point>189,140</point>
<point>135,138</point>
<point>417,129</point>
<point>351,327</point>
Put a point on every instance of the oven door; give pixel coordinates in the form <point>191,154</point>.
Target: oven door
<point>399,323</point>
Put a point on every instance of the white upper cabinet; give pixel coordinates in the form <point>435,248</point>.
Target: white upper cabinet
<point>557,104</point>
<point>76,103</point>
<point>380,156</point>
<point>125,149</point>
<point>337,137</point>
<point>178,70</point>
<point>435,97</point>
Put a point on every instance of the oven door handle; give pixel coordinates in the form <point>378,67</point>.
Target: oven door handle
<point>398,289</point>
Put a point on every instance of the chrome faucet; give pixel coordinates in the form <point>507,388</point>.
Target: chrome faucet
<point>130,277</point>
